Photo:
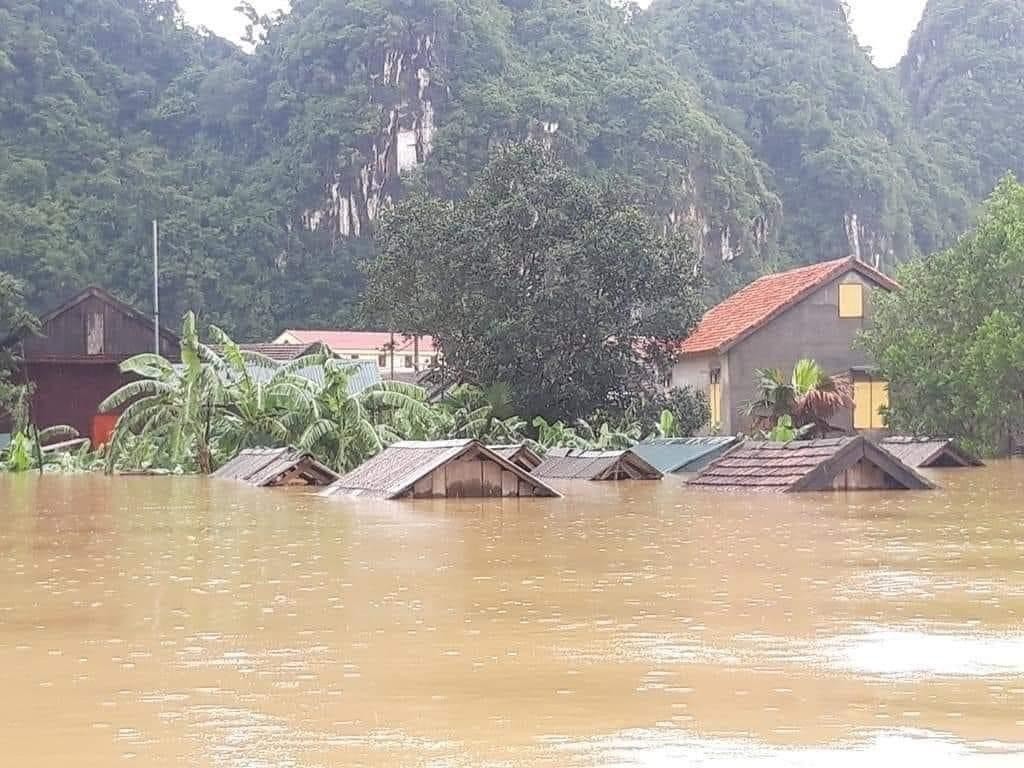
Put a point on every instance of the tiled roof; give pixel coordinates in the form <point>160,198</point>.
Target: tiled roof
<point>393,473</point>
<point>813,465</point>
<point>369,341</point>
<point>567,464</point>
<point>753,306</point>
<point>929,452</point>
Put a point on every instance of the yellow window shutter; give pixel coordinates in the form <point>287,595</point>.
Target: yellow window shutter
<point>716,403</point>
<point>879,400</point>
<point>851,300</point>
<point>862,391</point>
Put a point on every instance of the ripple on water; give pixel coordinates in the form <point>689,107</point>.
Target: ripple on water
<point>667,747</point>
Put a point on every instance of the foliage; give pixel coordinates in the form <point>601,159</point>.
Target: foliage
<point>560,284</point>
<point>951,343</point>
<point>850,169</point>
<point>15,323</point>
<point>805,402</point>
<point>962,78</point>
<point>25,451</point>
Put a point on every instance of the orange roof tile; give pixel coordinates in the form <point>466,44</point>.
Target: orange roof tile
<point>765,298</point>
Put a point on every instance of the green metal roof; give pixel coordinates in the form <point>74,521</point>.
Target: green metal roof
<point>684,454</point>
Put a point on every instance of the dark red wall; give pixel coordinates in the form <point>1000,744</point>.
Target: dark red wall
<point>70,393</point>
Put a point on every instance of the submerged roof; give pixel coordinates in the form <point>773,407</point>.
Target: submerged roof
<point>262,467</point>
<point>811,465</point>
<point>395,471</point>
<point>368,341</point>
<point>683,454</point>
<point>282,353</point>
<point>929,452</point>
<point>566,464</point>
<point>766,298</point>
<point>520,454</point>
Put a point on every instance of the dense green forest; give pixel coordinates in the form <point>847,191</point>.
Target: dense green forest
<point>757,127</point>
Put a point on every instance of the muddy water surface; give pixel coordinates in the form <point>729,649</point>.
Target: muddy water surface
<point>170,622</point>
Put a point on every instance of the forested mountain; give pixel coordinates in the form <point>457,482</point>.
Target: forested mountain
<point>758,126</point>
<point>964,78</point>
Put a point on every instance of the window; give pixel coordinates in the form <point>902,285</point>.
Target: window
<point>715,397</point>
<point>382,361</point>
<point>408,361</point>
<point>354,357</point>
<point>870,398</point>
<point>851,300</point>
<point>94,334</point>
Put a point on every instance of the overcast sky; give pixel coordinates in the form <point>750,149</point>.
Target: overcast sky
<point>884,25</point>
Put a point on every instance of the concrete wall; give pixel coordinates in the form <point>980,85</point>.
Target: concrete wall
<point>810,329</point>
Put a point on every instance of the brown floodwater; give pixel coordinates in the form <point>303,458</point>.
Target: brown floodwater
<point>185,621</point>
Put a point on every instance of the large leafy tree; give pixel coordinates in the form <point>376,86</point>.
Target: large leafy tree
<point>15,322</point>
<point>952,341</point>
<point>540,278</point>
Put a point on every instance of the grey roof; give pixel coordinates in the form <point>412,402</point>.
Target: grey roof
<point>567,464</point>
<point>279,352</point>
<point>520,454</point>
<point>261,467</point>
<point>929,452</point>
<point>683,454</point>
<point>811,465</point>
<point>395,471</point>
<point>365,374</point>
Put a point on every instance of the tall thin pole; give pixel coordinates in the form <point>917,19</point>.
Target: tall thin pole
<point>156,289</point>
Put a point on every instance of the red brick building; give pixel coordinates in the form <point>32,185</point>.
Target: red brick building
<point>73,363</point>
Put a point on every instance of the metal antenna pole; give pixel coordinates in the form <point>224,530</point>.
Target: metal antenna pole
<point>156,289</point>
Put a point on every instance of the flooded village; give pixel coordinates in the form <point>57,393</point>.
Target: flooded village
<point>511,384</point>
<point>715,599</point>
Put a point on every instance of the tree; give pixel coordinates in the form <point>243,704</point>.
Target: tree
<point>804,402</point>
<point>951,342</point>
<point>15,323</point>
<point>537,277</point>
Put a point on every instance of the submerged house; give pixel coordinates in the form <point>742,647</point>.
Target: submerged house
<point>566,464</point>
<point>838,464</point>
<point>683,455</point>
<point>275,467</point>
<point>929,452</point>
<point>812,312</point>
<point>521,455</point>
<point>441,469</point>
<point>73,363</point>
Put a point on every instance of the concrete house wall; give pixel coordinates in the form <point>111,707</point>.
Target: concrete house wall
<point>811,328</point>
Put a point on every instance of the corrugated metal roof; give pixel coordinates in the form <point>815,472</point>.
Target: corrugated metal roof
<point>683,454</point>
<point>261,467</point>
<point>929,452</point>
<point>566,464</point>
<point>801,465</point>
<point>279,352</point>
<point>364,374</point>
<point>396,470</point>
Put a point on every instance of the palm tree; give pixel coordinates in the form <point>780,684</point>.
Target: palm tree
<point>809,398</point>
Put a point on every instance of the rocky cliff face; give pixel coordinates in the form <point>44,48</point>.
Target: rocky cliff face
<point>962,77</point>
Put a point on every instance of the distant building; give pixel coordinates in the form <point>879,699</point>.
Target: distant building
<point>393,353</point>
<point>813,312</point>
<point>73,364</point>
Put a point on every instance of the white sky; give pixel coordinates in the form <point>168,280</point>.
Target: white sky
<point>884,25</point>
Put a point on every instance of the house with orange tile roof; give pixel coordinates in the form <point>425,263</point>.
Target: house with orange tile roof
<point>814,312</point>
<point>394,353</point>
